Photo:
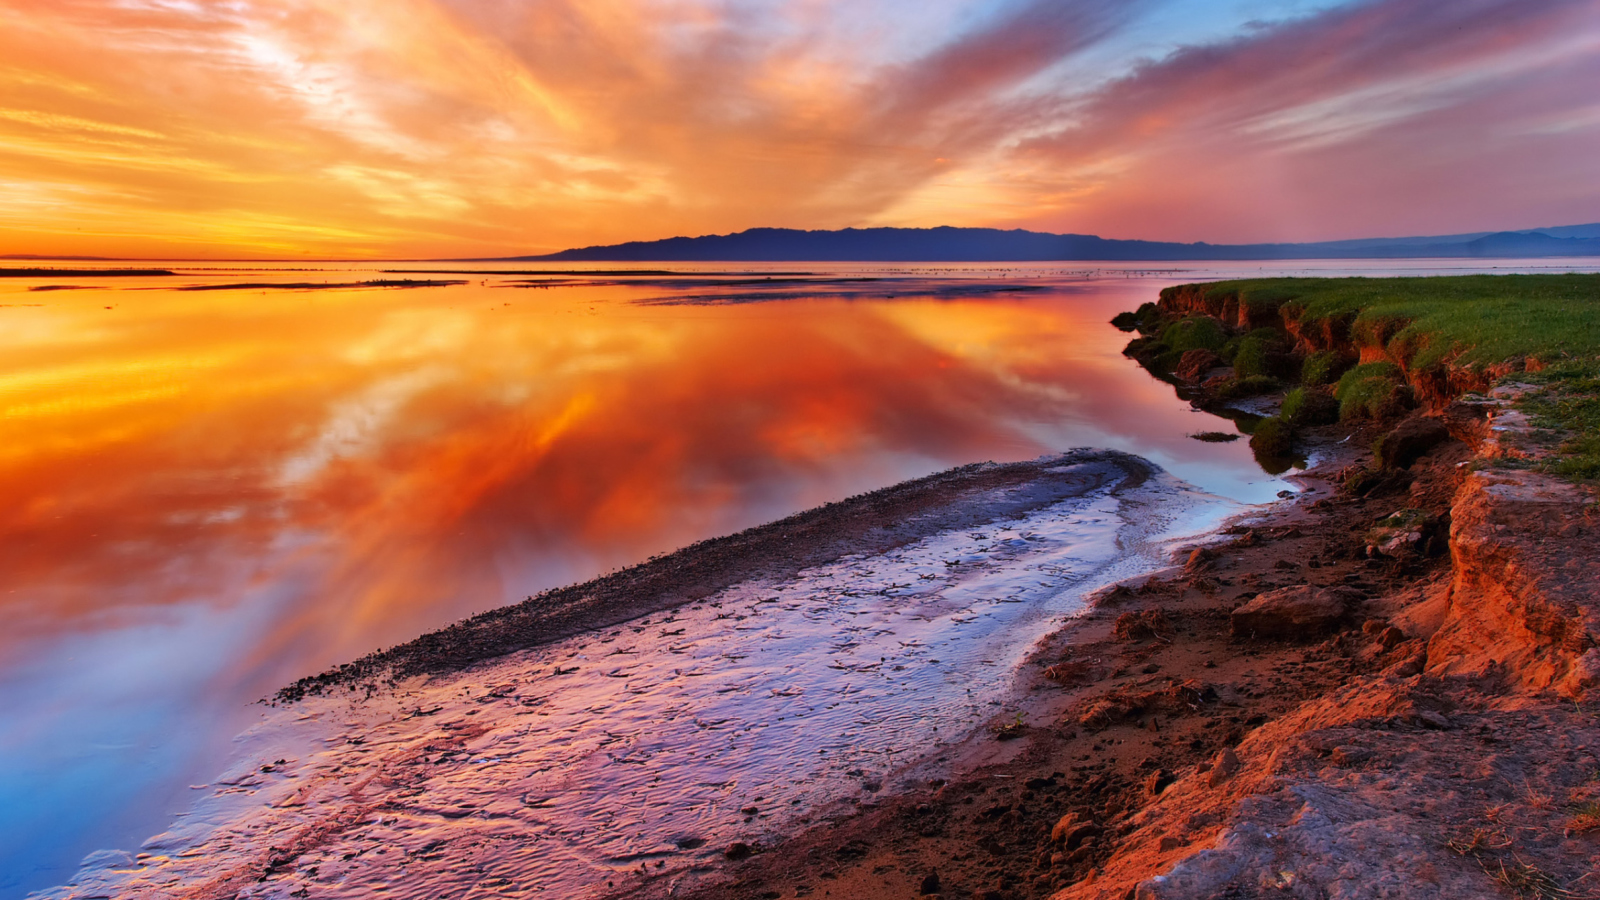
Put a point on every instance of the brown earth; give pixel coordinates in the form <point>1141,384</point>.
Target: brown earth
<point>1437,734</point>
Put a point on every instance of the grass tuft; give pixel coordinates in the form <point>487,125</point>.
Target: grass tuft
<point>1310,406</point>
<point>1323,368</point>
<point>1585,818</point>
<point>1194,333</point>
<point>1375,390</point>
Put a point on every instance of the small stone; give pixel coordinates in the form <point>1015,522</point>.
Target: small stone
<point>738,850</point>
<point>1583,678</point>
<point>1079,834</point>
<point>1223,767</point>
<point>1350,756</point>
<point>1427,718</point>
<point>1062,826</point>
<point>930,884</point>
<point>1158,782</point>
<point>1391,637</point>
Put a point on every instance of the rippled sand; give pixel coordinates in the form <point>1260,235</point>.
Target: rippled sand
<point>644,750</point>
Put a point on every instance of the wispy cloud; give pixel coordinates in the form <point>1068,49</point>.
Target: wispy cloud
<point>435,127</point>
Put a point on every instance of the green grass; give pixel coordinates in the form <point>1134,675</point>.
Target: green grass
<point>1273,437</point>
<point>1323,368</point>
<point>1252,353</point>
<point>1310,406</point>
<point>1467,320</point>
<point>1253,386</point>
<point>1194,333</point>
<point>1372,390</point>
<point>1481,319</point>
<point>1570,403</point>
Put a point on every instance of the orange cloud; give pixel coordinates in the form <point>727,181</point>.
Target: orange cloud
<point>292,128</point>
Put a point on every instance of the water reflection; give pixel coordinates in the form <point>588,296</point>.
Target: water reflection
<point>210,493</point>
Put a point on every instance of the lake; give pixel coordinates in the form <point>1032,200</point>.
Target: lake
<point>213,491</point>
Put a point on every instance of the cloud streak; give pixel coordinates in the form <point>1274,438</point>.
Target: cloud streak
<point>446,127</point>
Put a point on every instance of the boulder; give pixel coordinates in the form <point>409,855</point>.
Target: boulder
<point>1302,611</point>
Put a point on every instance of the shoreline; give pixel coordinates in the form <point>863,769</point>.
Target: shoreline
<point>1295,712</point>
<point>1384,687</point>
<point>461,754</point>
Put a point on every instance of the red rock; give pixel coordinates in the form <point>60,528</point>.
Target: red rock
<point>1301,611</point>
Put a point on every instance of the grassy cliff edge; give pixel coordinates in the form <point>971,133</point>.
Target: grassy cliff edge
<point>1382,346</point>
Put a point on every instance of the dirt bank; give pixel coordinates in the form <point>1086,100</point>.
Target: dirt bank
<point>1429,730</point>
<point>1389,687</point>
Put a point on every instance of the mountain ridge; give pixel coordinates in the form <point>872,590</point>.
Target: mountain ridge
<point>950,244</point>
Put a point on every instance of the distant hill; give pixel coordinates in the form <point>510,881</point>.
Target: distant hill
<point>946,244</point>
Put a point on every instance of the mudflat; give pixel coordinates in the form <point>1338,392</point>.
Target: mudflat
<point>636,729</point>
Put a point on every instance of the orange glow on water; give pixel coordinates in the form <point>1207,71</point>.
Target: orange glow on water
<point>406,457</point>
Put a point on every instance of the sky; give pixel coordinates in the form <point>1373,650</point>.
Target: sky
<point>449,128</point>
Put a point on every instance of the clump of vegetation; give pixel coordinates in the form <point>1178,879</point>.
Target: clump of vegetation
<point>1323,368</point>
<point>1261,352</point>
<point>1215,437</point>
<point>1273,437</point>
<point>1585,818</point>
<point>1195,333</point>
<point>1475,321</point>
<point>1253,386</point>
<point>1310,406</point>
<point>1126,321</point>
<point>1373,390</point>
<point>1145,320</point>
<point>1570,402</point>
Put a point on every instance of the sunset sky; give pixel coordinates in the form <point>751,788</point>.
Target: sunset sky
<point>402,128</point>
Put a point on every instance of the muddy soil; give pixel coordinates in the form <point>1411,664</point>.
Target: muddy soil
<point>1163,753</point>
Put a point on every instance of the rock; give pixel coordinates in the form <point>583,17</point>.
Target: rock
<point>1224,766</point>
<point>1350,756</point>
<point>1403,533</point>
<point>1301,611</point>
<point>1409,441</point>
<point>1158,782</point>
<point>1200,560</point>
<point>1194,364</point>
<point>930,884</point>
<point>1411,664</point>
<point>1079,833</point>
<point>1063,825</point>
<point>1583,678</point>
<point>1427,718</point>
<point>738,850</point>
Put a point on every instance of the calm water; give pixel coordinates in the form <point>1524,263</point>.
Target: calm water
<point>210,493</point>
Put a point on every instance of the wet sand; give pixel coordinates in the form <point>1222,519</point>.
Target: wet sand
<point>627,732</point>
